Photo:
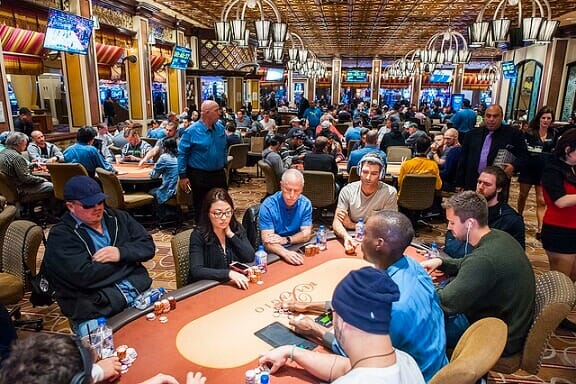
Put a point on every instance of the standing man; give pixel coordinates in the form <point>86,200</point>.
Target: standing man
<point>202,155</point>
<point>495,280</point>
<point>23,123</point>
<point>109,111</point>
<point>286,218</point>
<point>42,151</point>
<point>480,147</point>
<point>363,198</point>
<point>465,119</point>
<point>94,257</point>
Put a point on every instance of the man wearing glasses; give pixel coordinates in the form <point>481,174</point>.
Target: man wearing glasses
<point>94,256</point>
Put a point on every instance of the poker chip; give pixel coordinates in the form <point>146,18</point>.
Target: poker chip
<point>163,319</point>
<point>150,316</point>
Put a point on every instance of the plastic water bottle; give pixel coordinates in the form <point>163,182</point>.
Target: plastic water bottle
<point>102,339</point>
<point>434,252</point>
<point>148,297</point>
<point>360,229</point>
<point>322,246</point>
<point>264,378</point>
<point>261,259</point>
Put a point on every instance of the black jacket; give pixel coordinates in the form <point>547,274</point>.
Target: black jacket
<point>505,137</point>
<point>86,289</point>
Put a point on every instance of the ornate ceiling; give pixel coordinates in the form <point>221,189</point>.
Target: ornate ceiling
<point>358,30</point>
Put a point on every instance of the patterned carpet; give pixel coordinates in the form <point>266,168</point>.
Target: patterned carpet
<point>559,365</point>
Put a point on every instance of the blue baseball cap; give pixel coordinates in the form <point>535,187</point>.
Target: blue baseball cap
<point>84,189</point>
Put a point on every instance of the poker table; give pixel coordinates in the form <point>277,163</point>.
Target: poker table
<point>132,173</point>
<point>212,328</point>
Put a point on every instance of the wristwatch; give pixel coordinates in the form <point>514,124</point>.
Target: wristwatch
<point>289,240</point>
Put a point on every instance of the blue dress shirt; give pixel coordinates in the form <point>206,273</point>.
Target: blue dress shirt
<point>202,148</point>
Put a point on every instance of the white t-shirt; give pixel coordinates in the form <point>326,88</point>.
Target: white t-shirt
<point>405,371</point>
<point>357,204</point>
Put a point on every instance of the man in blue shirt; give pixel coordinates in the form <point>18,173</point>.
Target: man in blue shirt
<point>202,155</point>
<point>417,321</point>
<point>465,119</point>
<point>371,146</point>
<point>286,217</point>
<point>84,153</point>
<point>313,114</point>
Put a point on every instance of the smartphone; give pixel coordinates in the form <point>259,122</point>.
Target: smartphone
<point>325,319</point>
<point>239,267</point>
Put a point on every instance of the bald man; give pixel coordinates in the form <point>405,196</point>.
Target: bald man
<point>202,155</point>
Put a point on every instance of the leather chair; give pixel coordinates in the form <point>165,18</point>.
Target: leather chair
<point>239,153</point>
<point>319,188</point>
<point>555,298</point>
<point>6,217</point>
<point>475,354</point>
<point>397,154</point>
<point>19,252</point>
<point>10,192</point>
<point>272,182</point>
<point>60,173</point>
<point>350,146</point>
<point>255,152</point>
<point>116,197</point>
<point>353,175</point>
<point>180,244</point>
<point>182,199</point>
<point>416,195</point>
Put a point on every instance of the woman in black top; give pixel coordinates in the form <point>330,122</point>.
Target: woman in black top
<point>218,241</point>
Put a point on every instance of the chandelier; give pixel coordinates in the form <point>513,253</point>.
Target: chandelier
<point>537,27</point>
<point>490,72</point>
<point>445,48</point>
<point>269,34</point>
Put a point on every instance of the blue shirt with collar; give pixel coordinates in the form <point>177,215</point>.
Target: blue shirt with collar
<point>357,155</point>
<point>464,120</point>
<point>100,240</point>
<point>88,156</point>
<point>285,221</point>
<point>202,148</point>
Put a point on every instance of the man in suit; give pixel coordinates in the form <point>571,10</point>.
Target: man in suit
<point>481,146</point>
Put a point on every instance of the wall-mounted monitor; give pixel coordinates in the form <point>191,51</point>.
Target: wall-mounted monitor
<point>274,74</point>
<point>67,32</point>
<point>356,76</point>
<point>441,76</point>
<point>180,57</point>
<point>508,69</point>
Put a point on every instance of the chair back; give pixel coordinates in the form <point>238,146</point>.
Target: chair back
<point>475,354</point>
<point>319,188</point>
<point>272,182</point>
<point>150,140</point>
<point>60,173</point>
<point>341,127</point>
<point>353,175</point>
<point>349,146</point>
<point>180,244</point>
<point>20,250</point>
<point>283,129</point>
<point>6,217</point>
<point>112,188</point>
<point>417,192</point>
<point>251,223</point>
<point>239,152</point>
<point>397,154</point>
<point>257,144</point>
<point>8,189</point>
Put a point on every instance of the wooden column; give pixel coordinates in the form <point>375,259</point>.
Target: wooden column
<point>375,83</point>
<point>336,80</point>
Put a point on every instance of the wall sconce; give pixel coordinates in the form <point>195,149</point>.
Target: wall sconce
<point>96,22</point>
<point>151,39</point>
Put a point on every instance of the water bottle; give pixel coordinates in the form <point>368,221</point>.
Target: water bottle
<point>261,259</point>
<point>434,252</point>
<point>264,378</point>
<point>360,229</point>
<point>102,339</point>
<point>148,297</point>
<point>322,238</point>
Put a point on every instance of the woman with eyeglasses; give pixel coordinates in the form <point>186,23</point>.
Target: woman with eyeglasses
<point>218,241</point>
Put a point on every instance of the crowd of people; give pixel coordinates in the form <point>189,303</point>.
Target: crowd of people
<point>99,273</point>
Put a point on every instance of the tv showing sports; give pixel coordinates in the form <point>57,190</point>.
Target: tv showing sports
<point>356,76</point>
<point>441,76</point>
<point>67,32</point>
<point>274,74</point>
<point>180,57</point>
<point>508,69</point>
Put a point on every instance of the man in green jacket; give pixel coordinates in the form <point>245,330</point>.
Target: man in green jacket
<point>494,280</point>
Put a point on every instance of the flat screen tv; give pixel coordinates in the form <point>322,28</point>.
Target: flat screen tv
<point>180,57</point>
<point>441,76</point>
<point>67,32</point>
<point>508,70</point>
<point>356,76</point>
<point>274,74</point>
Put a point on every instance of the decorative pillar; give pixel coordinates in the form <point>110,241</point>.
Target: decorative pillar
<point>253,91</point>
<point>139,73</point>
<point>311,88</point>
<point>234,92</point>
<point>416,88</point>
<point>458,83</point>
<point>290,87</point>
<point>336,80</point>
<point>176,81</point>
<point>376,79</point>
<point>5,110</point>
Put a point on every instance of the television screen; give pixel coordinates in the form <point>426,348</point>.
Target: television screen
<point>67,32</point>
<point>508,70</point>
<point>180,58</point>
<point>356,76</point>
<point>274,74</point>
<point>441,76</point>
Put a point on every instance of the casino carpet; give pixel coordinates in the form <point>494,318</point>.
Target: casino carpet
<point>559,365</point>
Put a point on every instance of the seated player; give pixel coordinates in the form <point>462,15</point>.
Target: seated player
<point>286,218</point>
<point>496,279</point>
<point>219,241</point>
<point>166,168</point>
<point>169,132</point>
<point>387,235</point>
<point>362,304</point>
<point>41,151</point>
<point>136,148</point>
<point>371,146</point>
<point>420,164</point>
<point>84,153</point>
<point>363,198</point>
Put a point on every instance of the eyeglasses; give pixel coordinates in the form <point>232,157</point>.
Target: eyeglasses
<point>88,206</point>
<point>222,214</point>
